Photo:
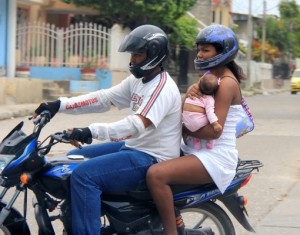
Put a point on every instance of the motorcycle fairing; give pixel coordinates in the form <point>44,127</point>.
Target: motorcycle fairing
<point>26,161</point>
<point>194,197</point>
<point>15,141</point>
<point>62,171</point>
<point>18,160</point>
<point>61,166</point>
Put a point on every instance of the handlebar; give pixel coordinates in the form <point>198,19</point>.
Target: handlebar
<point>42,119</point>
<point>40,122</point>
<point>59,137</point>
<point>54,139</point>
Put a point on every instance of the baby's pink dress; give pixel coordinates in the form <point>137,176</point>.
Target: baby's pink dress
<point>195,120</point>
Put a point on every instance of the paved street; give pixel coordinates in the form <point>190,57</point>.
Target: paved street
<point>273,206</point>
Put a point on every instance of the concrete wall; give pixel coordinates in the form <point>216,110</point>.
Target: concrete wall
<point>3,35</point>
<point>72,76</point>
<point>20,90</point>
<point>34,90</point>
<point>28,90</point>
<point>2,90</point>
<point>297,63</point>
<point>202,10</point>
<point>118,76</point>
<point>260,75</point>
<point>263,73</point>
<point>118,60</point>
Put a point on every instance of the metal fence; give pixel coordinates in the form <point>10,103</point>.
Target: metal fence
<point>80,45</point>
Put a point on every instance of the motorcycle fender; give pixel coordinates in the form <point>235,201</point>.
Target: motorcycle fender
<point>232,202</point>
<point>15,220</point>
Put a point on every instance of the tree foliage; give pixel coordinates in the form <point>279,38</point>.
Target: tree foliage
<point>167,14</point>
<point>290,17</point>
<point>282,34</point>
<point>288,10</point>
<point>271,52</point>
<point>184,32</point>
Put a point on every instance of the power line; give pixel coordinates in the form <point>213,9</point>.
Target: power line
<point>264,33</point>
<point>249,46</point>
<point>271,8</point>
<point>242,6</point>
<point>238,6</point>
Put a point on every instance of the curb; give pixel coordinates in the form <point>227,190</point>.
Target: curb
<point>263,92</point>
<point>14,111</point>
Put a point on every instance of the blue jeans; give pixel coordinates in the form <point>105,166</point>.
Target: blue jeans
<point>112,168</point>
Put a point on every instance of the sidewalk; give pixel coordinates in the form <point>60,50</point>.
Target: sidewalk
<point>284,219</point>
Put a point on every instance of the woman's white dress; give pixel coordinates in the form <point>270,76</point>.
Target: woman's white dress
<point>221,161</point>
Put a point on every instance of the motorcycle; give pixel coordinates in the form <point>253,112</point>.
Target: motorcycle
<point>24,165</point>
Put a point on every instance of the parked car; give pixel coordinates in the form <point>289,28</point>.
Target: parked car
<point>295,82</point>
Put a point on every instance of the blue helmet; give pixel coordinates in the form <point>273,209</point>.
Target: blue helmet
<point>147,38</point>
<point>224,39</point>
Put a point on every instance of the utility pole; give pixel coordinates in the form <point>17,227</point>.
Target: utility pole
<point>11,31</point>
<point>249,48</point>
<point>264,33</point>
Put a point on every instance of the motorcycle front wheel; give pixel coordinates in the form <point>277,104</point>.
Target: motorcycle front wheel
<point>208,216</point>
<point>14,224</point>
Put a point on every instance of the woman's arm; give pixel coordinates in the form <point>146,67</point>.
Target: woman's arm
<point>193,91</point>
<point>223,100</point>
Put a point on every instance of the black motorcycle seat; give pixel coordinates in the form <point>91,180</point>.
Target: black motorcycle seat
<point>243,170</point>
<point>144,194</point>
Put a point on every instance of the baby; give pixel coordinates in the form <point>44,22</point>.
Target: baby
<point>198,112</point>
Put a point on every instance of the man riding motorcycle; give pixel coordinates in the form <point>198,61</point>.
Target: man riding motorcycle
<point>146,136</point>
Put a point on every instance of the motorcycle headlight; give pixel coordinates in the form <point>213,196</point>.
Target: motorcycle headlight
<point>2,165</point>
<point>4,160</point>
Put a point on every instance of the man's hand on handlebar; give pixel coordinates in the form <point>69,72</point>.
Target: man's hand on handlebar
<point>76,135</point>
<point>52,107</point>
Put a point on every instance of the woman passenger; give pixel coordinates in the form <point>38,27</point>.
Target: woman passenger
<point>217,46</point>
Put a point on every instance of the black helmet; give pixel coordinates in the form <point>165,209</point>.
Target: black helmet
<point>147,38</point>
<point>224,39</point>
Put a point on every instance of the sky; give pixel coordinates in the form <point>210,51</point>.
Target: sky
<point>241,6</point>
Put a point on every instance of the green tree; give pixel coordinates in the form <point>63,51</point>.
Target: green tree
<point>132,13</point>
<point>282,34</point>
<point>290,18</point>
<point>184,34</point>
<point>275,44</point>
<point>170,15</point>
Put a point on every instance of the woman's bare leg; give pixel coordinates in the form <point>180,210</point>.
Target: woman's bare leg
<point>182,170</point>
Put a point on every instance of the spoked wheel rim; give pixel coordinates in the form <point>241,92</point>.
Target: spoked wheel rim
<point>4,231</point>
<point>208,217</point>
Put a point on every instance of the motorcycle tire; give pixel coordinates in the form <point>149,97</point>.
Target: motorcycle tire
<point>209,216</point>
<point>14,224</point>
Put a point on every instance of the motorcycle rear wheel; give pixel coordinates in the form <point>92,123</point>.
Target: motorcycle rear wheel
<point>208,215</point>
